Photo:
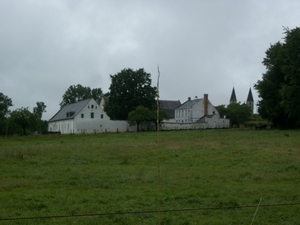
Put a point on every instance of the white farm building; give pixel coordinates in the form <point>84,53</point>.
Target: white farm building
<point>87,116</point>
<point>198,113</point>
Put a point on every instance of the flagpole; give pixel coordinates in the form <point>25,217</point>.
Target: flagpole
<point>158,150</point>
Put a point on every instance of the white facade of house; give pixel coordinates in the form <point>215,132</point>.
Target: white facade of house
<point>90,118</point>
<point>193,110</point>
<point>196,114</point>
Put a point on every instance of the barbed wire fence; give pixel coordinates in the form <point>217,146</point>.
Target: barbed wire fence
<point>149,211</point>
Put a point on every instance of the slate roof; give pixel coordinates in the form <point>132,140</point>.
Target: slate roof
<point>250,97</point>
<point>233,97</point>
<point>169,106</point>
<point>106,99</point>
<point>202,119</point>
<point>189,104</point>
<point>70,111</point>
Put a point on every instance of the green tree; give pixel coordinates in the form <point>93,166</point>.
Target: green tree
<point>237,113</point>
<point>5,103</point>
<point>140,115</point>
<point>38,113</point>
<point>279,89</point>
<point>76,93</point>
<point>222,110</point>
<point>128,90</point>
<point>39,110</point>
<point>97,94</point>
<point>290,91</point>
<point>23,119</point>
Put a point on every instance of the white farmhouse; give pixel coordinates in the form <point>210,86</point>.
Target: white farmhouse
<point>198,113</point>
<point>85,116</point>
<point>192,110</point>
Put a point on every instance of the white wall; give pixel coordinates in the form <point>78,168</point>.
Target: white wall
<point>195,113</point>
<point>84,123</point>
<point>209,122</point>
<point>63,126</point>
<point>216,122</point>
<point>182,126</point>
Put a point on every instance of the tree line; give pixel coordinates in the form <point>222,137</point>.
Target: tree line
<point>131,97</point>
<point>21,121</point>
<point>279,88</point>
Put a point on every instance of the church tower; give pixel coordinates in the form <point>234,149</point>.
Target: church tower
<point>250,101</point>
<point>233,97</point>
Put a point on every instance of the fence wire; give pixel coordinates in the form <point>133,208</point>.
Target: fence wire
<point>147,211</point>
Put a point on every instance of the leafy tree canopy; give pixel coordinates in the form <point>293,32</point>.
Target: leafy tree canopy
<point>237,113</point>
<point>140,115</point>
<point>39,109</point>
<point>22,118</point>
<point>128,90</point>
<point>76,93</point>
<point>5,103</point>
<point>279,89</point>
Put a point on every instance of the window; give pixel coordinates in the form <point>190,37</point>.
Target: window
<point>82,115</point>
<point>101,116</point>
<point>92,115</point>
<point>92,106</point>
<point>70,114</point>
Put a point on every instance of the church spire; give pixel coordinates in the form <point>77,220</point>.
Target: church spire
<point>250,101</point>
<point>250,97</point>
<point>233,97</point>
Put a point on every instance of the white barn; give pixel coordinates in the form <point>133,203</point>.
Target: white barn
<point>85,116</point>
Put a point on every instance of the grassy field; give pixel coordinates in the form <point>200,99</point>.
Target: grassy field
<point>131,172</point>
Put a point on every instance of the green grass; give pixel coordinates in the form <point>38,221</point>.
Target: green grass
<point>77,174</point>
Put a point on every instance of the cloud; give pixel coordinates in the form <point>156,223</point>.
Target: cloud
<point>200,46</point>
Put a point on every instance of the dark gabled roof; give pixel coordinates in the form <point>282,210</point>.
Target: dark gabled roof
<point>202,119</point>
<point>250,96</point>
<point>70,111</point>
<point>232,97</point>
<point>169,106</point>
<point>106,99</point>
<point>189,104</point>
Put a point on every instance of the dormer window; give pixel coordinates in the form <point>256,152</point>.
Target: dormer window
<point>70,114</point>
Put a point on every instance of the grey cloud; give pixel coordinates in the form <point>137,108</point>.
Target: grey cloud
<point>200,46</point>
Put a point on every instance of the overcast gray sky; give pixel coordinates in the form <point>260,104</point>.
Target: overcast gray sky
<point>201,46</point>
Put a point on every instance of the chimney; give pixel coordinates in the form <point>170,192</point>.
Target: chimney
<point>189,98</point>
<point>205,103</point>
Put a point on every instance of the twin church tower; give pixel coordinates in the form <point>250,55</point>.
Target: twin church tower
<point>249,101</point>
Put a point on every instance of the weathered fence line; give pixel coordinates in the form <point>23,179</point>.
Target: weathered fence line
<point>147,211</point>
